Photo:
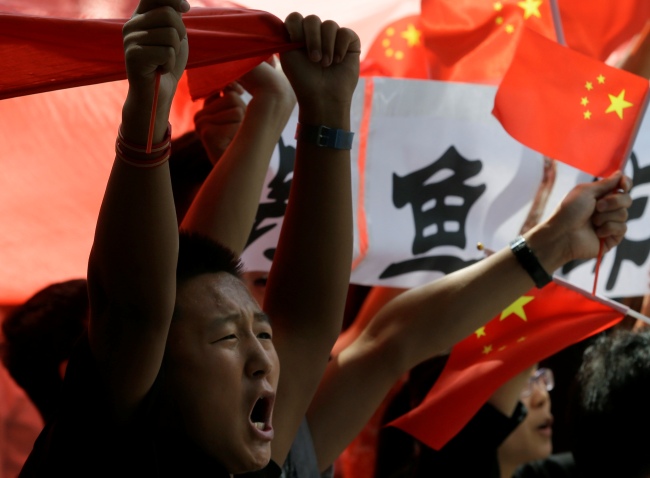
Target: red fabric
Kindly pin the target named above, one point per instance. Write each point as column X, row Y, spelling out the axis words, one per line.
column 597, row 27
column 559, row 106
column 474, row 40
column 58, row 151
column 455, row 40
column 20, row 424
column 398, row 51
column 547, row 321
column 44, row 54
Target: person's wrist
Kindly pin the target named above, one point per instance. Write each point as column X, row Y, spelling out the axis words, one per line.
column 333, row 116
column 548, row 246
column 280, row 105
column 324, row 136
column 136, row 117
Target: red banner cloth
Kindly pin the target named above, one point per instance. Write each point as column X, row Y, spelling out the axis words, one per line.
column 537, row 325
column 570, row 107
column 45, row 54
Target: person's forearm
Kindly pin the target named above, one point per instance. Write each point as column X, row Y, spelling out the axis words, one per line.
column 430, row 319
column 134, row 252
column 316, row 238
column 225, row 207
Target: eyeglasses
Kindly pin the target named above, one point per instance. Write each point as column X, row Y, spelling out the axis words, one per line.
column 543, row 378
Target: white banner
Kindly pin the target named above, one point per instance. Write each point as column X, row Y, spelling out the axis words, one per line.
column 258, row 254
column 438, row 176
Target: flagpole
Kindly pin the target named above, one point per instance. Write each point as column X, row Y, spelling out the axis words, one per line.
column 639, row 316
column 641, row 42
column 557, row 23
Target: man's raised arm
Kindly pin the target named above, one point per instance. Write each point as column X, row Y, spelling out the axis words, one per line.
column 131, row 271
column 308, row 281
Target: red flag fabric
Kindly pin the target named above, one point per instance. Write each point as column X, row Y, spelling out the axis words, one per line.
column 537, row 325
column 474, row 40
column 45, row 54
column 570, row 107
column 456, row 40
column 597, row 27
column 398, row 51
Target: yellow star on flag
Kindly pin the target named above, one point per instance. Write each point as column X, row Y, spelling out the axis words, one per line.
column 517, row 308
column 498, row 6
column 487, row 349
column 587, row 114
column 601, row 79
column 584, row 101
column 618, row 104
column 510, row 29
column 480, row 332
column 412, row 35
column 531, row 8
column 589, row 85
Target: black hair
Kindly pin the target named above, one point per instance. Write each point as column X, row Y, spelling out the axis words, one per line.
column 609, row 416
column 40, row 334
column 198, row 254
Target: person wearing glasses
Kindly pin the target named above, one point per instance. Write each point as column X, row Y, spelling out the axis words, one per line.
column 607, row 412
column 532, row 439
column 513, row 428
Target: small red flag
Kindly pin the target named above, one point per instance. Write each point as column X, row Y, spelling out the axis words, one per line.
column 537, row 325
column 570, row 107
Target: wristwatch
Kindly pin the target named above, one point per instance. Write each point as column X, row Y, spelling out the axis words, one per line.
column 324, row 136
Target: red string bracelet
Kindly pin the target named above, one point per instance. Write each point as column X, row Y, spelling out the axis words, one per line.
column 136, row 155
column 598, row 261
column 154, row 106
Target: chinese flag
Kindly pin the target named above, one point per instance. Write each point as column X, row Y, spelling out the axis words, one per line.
column 475, row 40
column 535, row 326
column 570, row 107
column 456, row 40
column 598, row 27
column 398, row 51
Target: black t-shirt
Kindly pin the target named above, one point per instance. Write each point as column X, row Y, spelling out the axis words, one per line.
column 82, row 440
column 555, row 466
column 473, row 451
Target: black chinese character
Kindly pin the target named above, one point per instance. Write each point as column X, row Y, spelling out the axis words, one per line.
column 440, row 201
column 279, row 195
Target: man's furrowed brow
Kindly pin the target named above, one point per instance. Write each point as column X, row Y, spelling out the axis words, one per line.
column 262, row 317
column 234, row 318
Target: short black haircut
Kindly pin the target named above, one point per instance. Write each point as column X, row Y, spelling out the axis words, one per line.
column 199, row 254
column 40, row 334
column 609, row 416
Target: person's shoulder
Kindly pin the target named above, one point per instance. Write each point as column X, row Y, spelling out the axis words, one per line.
column 561, row 465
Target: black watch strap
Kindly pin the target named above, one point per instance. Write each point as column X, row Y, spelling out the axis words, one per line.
column 324, row 136
column 529, row 262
